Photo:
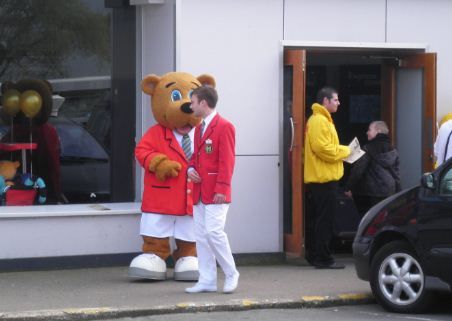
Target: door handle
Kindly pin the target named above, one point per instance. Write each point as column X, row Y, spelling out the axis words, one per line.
column 292, row 131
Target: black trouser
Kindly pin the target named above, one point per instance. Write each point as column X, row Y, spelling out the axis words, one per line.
column 321, row 218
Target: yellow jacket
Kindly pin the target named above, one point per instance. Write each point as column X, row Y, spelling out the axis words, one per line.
column 322, row 153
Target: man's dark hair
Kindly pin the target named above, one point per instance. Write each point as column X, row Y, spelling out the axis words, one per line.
column 207, row 93
column 325, row 92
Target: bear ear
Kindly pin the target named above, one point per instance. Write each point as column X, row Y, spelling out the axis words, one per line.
column 149, row 83
column 16, row 164
column 206, row 79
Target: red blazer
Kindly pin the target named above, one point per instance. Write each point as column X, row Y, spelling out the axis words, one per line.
column 213, row 159
column 174, row 195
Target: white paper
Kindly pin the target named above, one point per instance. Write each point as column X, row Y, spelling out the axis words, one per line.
column 355, row 151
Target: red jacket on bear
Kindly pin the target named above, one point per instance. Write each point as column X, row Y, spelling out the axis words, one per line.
column 174, row 195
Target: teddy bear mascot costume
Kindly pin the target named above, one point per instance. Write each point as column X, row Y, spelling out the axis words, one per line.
column 164, row 152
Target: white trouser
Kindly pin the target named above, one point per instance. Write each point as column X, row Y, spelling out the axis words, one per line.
column 212, row 242
column 158, row 225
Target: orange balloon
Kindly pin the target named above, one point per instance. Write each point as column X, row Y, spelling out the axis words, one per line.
column 30, row 103
column 10, row 102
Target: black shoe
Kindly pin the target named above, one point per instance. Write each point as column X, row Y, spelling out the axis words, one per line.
column 332, row 266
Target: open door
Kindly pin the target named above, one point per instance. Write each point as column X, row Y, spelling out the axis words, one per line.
column 294, row 107
column 409, row 108
column 427, row 63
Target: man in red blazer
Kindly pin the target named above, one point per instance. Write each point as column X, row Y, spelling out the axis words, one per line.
column 210, row 170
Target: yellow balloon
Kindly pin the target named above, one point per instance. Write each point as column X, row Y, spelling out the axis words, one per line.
column 30, row 103
column 10, row 102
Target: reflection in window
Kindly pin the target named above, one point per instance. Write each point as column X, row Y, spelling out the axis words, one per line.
column 66, row 44
column 446, row 183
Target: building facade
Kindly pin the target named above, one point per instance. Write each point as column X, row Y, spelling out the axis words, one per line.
column 388, row 58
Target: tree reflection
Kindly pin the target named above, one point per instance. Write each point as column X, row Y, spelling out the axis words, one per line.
column 46, row 38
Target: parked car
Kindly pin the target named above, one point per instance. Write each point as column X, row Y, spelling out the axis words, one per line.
column 403, row 245
column 85, row 165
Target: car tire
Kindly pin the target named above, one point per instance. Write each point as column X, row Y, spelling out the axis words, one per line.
column 397, row 279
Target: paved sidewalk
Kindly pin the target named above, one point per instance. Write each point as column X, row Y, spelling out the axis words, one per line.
column 108, row 293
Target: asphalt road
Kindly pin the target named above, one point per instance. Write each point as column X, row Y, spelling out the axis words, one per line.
column 368, row 312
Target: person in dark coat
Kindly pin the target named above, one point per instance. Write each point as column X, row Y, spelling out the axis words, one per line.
column 374, row 176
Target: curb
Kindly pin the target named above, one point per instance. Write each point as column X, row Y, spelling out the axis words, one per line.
column 188, row 307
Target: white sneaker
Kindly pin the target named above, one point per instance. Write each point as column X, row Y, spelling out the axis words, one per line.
column 200, row 287
column 231, row 283
column 186, row 269
column 148, row 266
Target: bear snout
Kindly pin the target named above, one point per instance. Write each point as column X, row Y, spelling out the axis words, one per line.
column 186, row 108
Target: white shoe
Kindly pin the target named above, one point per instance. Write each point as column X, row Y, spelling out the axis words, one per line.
column 148, row 266
column 231, row 283
column 200, row 287
column 186, row 269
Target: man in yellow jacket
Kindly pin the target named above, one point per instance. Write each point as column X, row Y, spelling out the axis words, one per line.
column 322, row 170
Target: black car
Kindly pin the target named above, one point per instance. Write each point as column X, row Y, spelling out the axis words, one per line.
column 85, row 164
column 403, row 245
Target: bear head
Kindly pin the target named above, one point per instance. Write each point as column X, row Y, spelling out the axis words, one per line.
column 171, row 97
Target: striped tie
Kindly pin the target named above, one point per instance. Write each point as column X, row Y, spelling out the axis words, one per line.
column 203, row 125
column 186, row 146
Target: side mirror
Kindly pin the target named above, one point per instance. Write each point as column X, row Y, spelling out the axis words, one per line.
column 428, row 181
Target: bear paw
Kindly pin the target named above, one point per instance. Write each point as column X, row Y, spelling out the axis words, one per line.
column 167, row 168
column 148, row 266
column 186, row 269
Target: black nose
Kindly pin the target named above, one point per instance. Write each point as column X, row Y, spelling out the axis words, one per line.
column 186, row 108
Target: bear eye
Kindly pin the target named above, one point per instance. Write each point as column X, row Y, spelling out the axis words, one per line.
column 190, row 93
column 176, row 95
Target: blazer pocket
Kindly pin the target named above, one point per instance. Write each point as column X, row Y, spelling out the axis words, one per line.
column 212, row 173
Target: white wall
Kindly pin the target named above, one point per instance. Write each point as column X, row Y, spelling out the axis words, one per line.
column 428, row 22
column 157, row 49
column 332, row 20
column 69, row 230
column 238, row 42
column 253, row 223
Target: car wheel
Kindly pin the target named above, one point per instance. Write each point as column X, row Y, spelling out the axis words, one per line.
column 397, row 279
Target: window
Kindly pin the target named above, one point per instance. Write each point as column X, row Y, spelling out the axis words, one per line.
column 446, row 183
column 67, row 44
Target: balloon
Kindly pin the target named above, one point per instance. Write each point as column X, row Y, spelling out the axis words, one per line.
column 10, row 102
column 30, row 103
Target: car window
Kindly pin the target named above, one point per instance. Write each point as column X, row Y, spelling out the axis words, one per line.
column 446, row 182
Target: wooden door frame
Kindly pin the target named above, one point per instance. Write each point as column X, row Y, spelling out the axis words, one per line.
column 388, row 99
column 294, row 241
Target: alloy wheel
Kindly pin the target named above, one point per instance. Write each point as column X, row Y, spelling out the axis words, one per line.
column 401, row 279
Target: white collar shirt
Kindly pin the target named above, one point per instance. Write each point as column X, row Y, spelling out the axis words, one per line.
column 208, row 120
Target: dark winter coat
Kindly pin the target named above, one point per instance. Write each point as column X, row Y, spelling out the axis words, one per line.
column 370, row 175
